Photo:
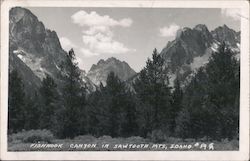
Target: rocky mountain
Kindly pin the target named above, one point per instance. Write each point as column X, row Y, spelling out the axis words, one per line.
column 34, row 50
column 224, row 33
column 99, row 72
column 192, row 48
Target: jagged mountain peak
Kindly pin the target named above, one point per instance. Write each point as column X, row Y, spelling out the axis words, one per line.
column 115, row 60
column 29, row 33
column 192, row 47
column 99, row 72
column 19, row 13
column 186, row 31
column 227, row 35
column 189, row 43
column 202, row 28
column 101, row 61
column 112, row 59
column 224, row 28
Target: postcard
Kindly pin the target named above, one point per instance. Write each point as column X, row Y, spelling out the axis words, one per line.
column 124, row 80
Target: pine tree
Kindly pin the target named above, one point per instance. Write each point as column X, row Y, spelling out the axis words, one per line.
column 112, row 109
column 16, row 103
column 50, row 98
column 183, row 124
column 223, row 90
column 153, row 91
column 73, row 99
column 196, row 103
column 32, row 112
column 176, row 105
column 115, row 89
column 130, row 124
column 98, row 112
column 212, row 97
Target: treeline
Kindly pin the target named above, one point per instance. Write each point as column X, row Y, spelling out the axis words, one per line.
column 207, row 107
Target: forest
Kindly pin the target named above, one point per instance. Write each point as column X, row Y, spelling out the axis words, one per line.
column 207, row 106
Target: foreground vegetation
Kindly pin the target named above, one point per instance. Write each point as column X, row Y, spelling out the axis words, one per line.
column 31, row 140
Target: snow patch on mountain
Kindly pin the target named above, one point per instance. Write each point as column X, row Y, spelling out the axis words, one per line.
column 32, row 62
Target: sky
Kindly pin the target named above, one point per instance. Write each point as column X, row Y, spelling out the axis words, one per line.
column 128, row 34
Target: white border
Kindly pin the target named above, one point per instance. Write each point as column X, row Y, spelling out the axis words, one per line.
column 242, row 154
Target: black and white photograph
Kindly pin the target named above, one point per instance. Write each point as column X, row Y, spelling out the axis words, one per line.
column 134, row 79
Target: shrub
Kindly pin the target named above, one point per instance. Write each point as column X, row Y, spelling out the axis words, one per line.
column 85, row 138
column 136, row 139
column 157, row 136
column 189, row 140
column 105, row 137
column 32, row 136
column 174, row 140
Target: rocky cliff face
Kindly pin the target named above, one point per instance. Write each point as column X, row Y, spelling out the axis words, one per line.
column 189, row 43
column 99, row 72
column 34, row 50
column 35, row 46
column 192, row 48
column 229, row 36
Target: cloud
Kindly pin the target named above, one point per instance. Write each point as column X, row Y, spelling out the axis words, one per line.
column 88, row 53
column 98, row 37
column 66, row 43
column 104, row 44
column 169, row 31
column 233, row 13
column 91, row 19
column 96, row 29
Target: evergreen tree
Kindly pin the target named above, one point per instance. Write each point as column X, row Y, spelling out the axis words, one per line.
column 153, row 91
column 196, row 102
column 118, row 105
column 212, row 97
column 49, row 103
column 182, row 122
column 16, row 103
column 112, row 109
column 130, row 124
column 98, row 112
column 176, row 105
column 32, row 112
column 73, row 99
column 223, row 90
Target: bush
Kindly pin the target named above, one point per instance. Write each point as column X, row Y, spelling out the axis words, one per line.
column 157, row 136
column 32, row 136
column 135, row 139
column 174, row 140
column 105, row 137
column 85, row 138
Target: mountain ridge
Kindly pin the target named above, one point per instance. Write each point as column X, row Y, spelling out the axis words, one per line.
column 192, row 48
column 99, row 72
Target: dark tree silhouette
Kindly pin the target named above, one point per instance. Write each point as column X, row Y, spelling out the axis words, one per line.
column 16, row 103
